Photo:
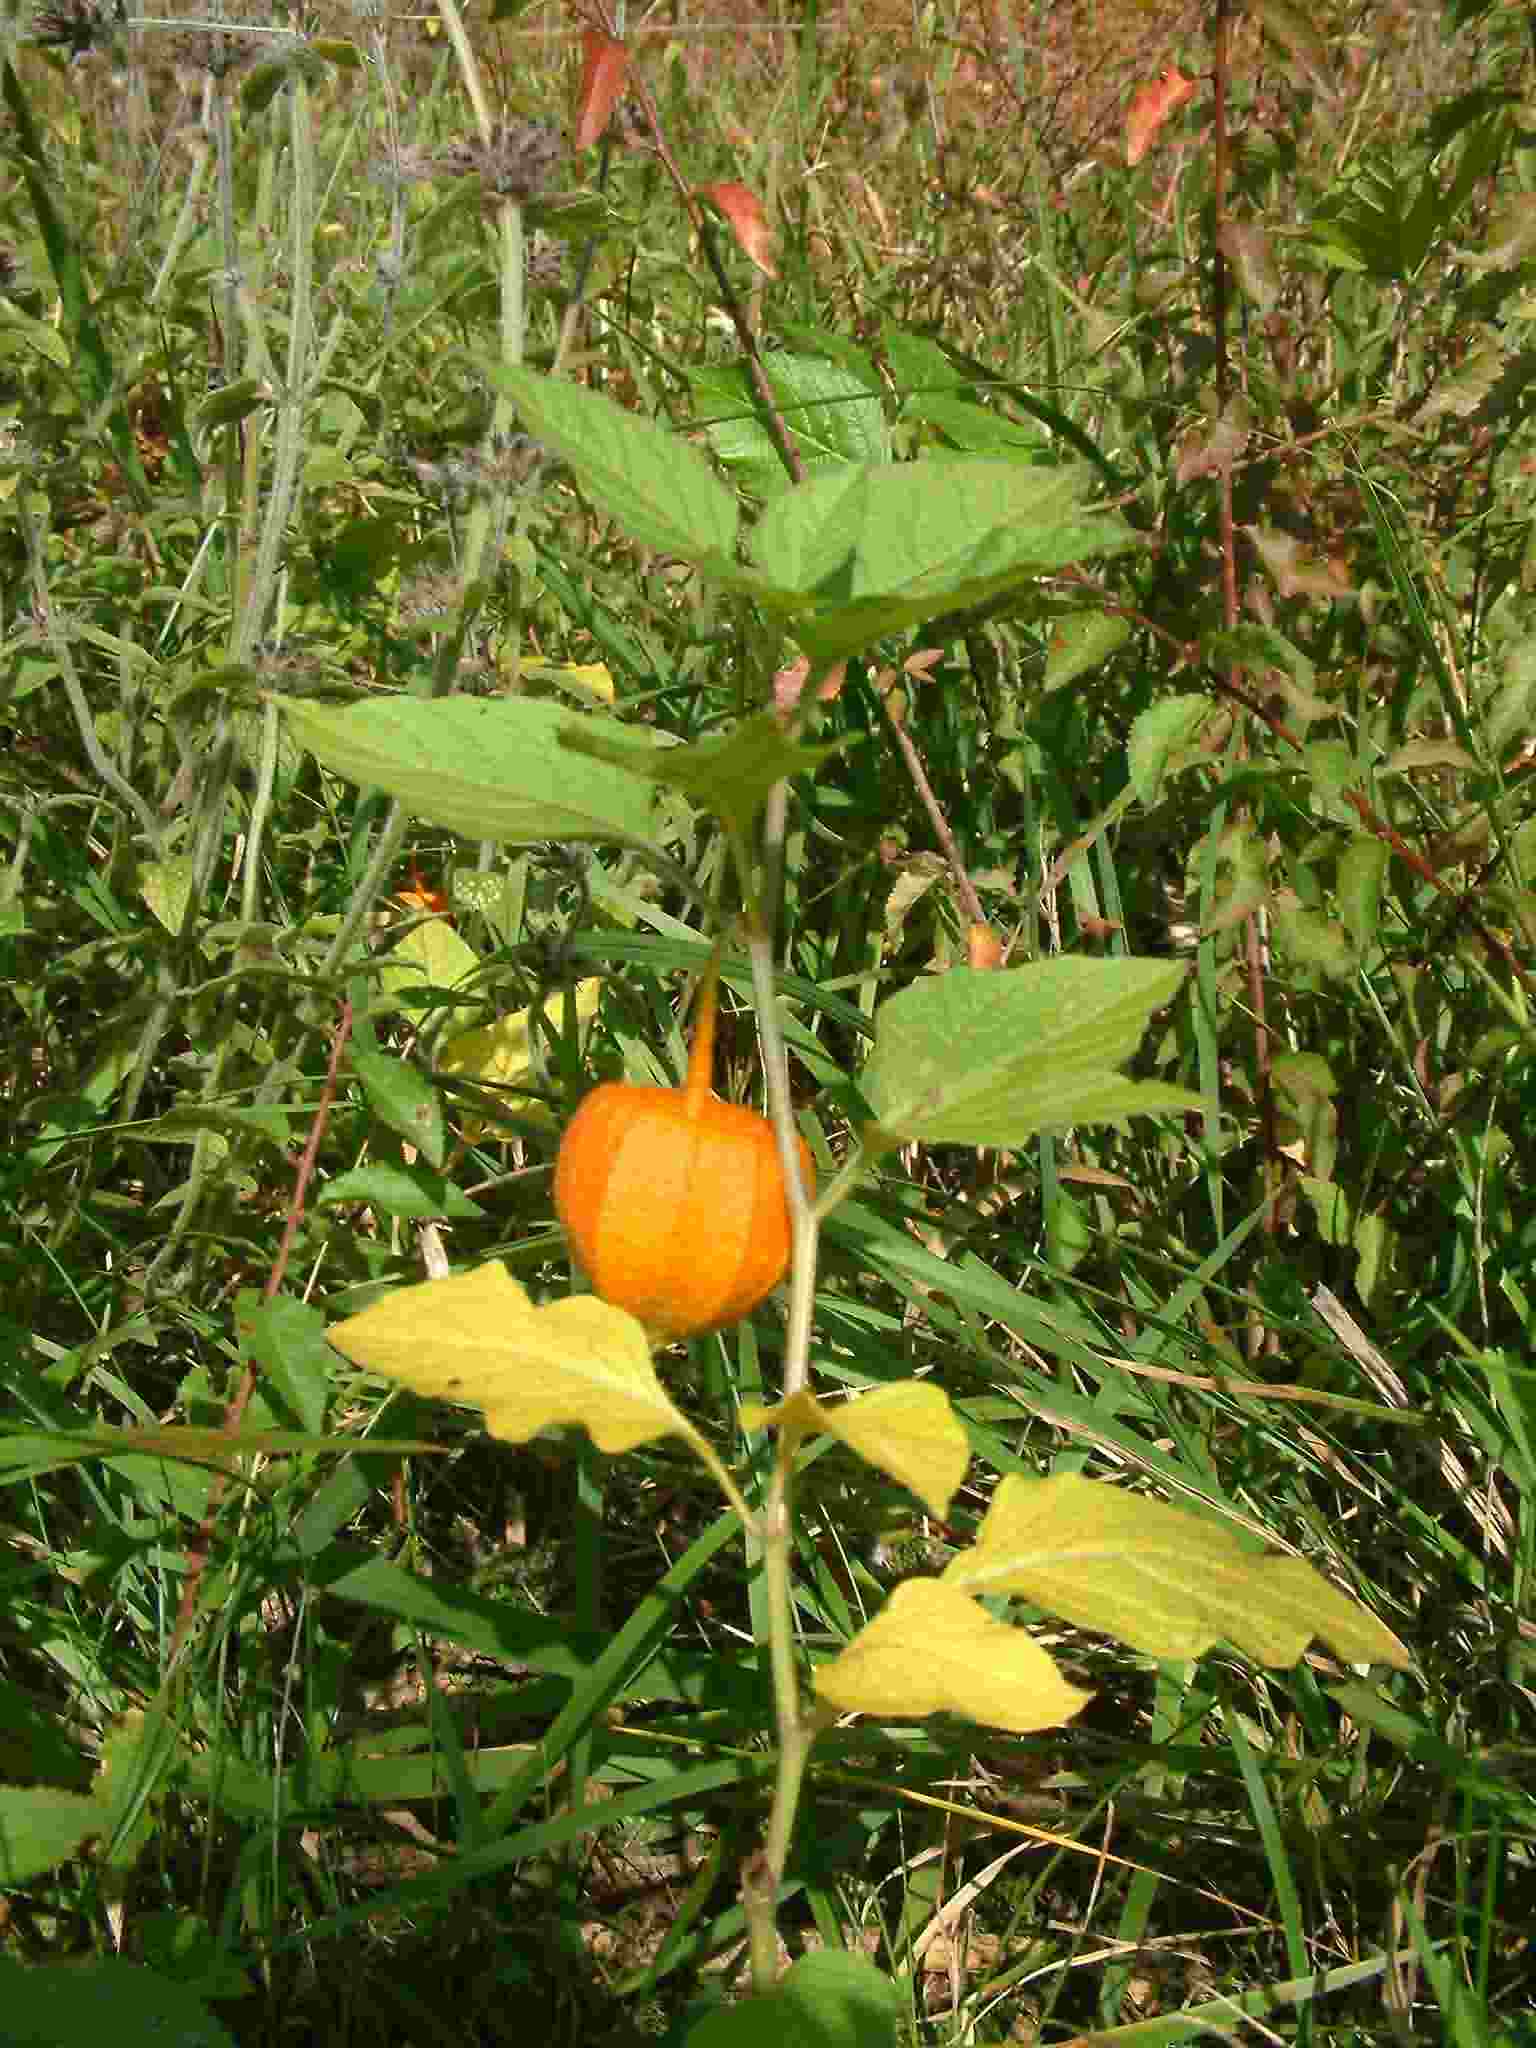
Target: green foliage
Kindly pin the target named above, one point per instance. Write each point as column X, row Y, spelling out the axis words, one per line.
column 827, row 2000
column 1128, row 895
column 70, row 2006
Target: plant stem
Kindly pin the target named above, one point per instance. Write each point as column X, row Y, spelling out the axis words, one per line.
column 796, row 1732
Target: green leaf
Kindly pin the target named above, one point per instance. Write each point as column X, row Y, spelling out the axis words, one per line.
column 1294, row 29
column 477, row 1338
column 232, row 403
column 977, row 429
column 262, row 84
column 26, row 1454
column 1332, row 1210
column 1165, row 739
column 1168, row 1583
column 35, row 333
column 881, row 547
column 1081, row 641
column 829, row 1999
column 489, row 768
column 730, row 776
column 410, row 1191
column 931, row 1649
column 972, row 1058
column 1308, row 939
column 658, row 488
column 62, row 247
column 405, row 1101
column 264, row 1126
column 80, row 2005
column 41, row 1828
column 137, row 1754
column 1267, row 654
column 287, row 1340
column 835, row 417
column 1332, row 768
column 1362, row 872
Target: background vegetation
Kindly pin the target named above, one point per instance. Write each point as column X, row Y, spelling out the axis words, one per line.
column 250, row 281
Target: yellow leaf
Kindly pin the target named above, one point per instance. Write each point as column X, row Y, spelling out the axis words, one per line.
column 478, row 1339
column 908, row 1431
column 931, row 1650
column 589, row 682
column 503, row 1052
column 431, row 954
column 1167, row 1582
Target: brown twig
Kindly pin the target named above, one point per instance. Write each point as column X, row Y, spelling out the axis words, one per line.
column 773, row 419
column 965, row 888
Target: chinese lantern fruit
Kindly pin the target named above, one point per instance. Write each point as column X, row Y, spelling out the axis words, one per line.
column 673, row 1200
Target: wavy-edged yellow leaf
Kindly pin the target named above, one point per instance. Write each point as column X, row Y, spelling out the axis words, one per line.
column 1167, row 1582
column 478, row 1339
column 501, row 1054
column 931, row 1650
column 908, row 1431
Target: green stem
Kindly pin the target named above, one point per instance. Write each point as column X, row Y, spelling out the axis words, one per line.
column 796, row 1730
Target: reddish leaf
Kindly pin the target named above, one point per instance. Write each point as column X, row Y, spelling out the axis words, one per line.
column 790, row 682
column 983, row 948
column 747, row 221
column 603, row 66
column 421, row 896
column 1151, row 105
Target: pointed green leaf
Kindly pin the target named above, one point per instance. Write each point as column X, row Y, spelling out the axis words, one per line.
column 491, row 768
column 404, row 1100
column 413, row 1192
column 1309, row 939
column 1081, row 641
column 835, row 417
column 932, row 1650
column 287, row 1339
column 658, row 488
column 1362, row 872
column 1167, row 1582
column 927, row 537
column 478, row 1339
column 730, row 776
column 972, row 1058
column 1165, row 739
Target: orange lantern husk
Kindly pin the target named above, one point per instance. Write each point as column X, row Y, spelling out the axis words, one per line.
column 673, row 1200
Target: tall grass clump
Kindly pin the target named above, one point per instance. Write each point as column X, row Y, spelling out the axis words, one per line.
column 978, row 566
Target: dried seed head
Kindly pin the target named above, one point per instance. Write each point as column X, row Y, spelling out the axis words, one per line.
column 546, row 264
column 517, row 165
column 77, row 25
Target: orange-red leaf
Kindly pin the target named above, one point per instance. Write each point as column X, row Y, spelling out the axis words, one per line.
column 421, row 896
column 604, row 64
column 983, row 948
column 1151, row 105
column 747, row 221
